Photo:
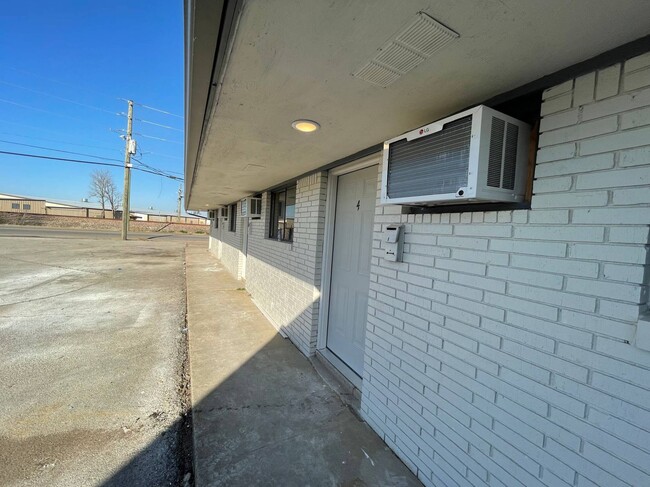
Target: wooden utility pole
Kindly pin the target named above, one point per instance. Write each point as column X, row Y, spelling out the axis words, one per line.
column 128, row 150
column 180, row 197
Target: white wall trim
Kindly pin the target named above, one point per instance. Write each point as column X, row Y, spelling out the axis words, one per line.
column 326, row 277
column 371, row 160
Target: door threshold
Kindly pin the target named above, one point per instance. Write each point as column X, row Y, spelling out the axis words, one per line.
column 340, row 368
column 349, row 394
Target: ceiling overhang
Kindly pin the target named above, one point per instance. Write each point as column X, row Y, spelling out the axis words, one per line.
column 254, row 67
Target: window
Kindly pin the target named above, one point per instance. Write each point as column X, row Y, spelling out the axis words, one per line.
column 15, row 206
column 27, row 206
column 232, row 221
column 283, row 213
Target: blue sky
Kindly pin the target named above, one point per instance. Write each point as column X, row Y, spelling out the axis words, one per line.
column 90, row 53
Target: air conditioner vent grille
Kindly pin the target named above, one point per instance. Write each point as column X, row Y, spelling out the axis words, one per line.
column 377, row 74
column 510, row 157
column 423, row 37
column 433, row 164
column 426, row 35
column 399, row 58
column 495, row 157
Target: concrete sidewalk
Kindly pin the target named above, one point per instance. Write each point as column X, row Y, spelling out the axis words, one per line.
column 262, row 415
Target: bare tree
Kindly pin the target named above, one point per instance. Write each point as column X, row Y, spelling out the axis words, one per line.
column 104, row 189
column 114, row 197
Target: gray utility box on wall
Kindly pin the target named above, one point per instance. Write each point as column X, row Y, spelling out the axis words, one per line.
column 393, row 243
column 479, row 155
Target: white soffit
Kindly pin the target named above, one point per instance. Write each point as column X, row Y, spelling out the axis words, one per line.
column 411, row 46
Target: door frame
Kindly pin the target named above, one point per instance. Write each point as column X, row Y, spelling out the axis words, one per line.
column 326, row 270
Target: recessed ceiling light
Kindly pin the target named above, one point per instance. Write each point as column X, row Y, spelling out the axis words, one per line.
column 305, row 125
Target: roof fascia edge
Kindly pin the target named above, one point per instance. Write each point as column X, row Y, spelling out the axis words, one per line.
column 228, row 21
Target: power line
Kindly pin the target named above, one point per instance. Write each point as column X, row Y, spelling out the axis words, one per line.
column 60, row 150
column 147, row 166
column 112, row 97
column 77, row 161
column 158, row 124
column 159, row 171
column 10, row 102
column 112, row 149
column 166, row 171
column 147, row 153
column 59, row 97
column 159, row 138
column 159, row 110
column 150, row 137
column 41, row 129
column 36, row 156
column 163, row 155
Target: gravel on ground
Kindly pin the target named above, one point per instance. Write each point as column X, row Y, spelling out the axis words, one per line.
column 93, row 377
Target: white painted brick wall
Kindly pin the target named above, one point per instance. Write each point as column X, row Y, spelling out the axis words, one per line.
column 284, row 278
column 214, row 238
column 499, row 351
column 229, row 246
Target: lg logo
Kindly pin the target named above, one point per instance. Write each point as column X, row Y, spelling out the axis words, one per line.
column 424, row 131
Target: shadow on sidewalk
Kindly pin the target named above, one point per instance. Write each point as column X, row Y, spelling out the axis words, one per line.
column 261, row 413
column 289, row 432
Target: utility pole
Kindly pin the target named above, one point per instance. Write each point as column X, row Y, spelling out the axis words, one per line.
column 180, row 197
column 129, row 149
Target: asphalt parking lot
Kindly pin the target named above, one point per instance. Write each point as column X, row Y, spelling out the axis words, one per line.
column 93, row 346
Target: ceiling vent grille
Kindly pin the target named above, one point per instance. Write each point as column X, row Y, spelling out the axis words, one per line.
column 409, row 48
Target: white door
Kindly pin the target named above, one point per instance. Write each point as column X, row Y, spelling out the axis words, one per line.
column 350, row 281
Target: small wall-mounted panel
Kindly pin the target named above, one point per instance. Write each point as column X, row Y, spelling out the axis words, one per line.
column 393, row 243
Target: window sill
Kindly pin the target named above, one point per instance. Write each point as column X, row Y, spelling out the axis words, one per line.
column 286, row 242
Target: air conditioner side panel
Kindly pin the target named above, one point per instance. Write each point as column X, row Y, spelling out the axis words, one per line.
column 493, row 194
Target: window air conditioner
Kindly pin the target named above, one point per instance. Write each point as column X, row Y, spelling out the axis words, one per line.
column 476, row 156
column 251, row 207
column 224, row 213
column 212, row 214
